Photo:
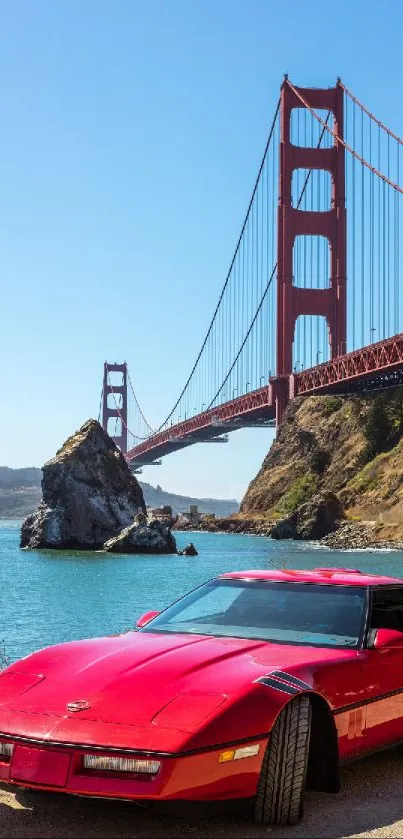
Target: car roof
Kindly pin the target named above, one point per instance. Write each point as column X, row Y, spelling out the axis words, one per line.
column 323, row 576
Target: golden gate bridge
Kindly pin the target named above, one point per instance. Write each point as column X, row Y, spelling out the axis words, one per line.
column 311, row 303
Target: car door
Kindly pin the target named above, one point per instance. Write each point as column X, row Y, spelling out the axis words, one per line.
column 382, row 671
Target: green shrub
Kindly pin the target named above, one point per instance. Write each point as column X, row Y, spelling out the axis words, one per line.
column 395, row 413
column 365, row 480
column 384, row 424
column 300, row 490
column 368, row 477
column 330, row 405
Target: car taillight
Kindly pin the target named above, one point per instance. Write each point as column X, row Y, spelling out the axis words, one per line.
column 6, row 750
column 121, row 764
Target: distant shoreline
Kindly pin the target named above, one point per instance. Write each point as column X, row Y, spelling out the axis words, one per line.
column 350, row 536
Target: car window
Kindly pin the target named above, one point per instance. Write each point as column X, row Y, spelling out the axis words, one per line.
column 387, row 609
column 291, row 613
column 213, row 603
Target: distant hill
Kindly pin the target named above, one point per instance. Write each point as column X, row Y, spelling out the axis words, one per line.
column 20, row 491
column 157, row 497
column 20, row 494
column 30, row 476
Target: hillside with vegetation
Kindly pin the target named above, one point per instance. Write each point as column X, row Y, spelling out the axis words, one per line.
column 351, row 448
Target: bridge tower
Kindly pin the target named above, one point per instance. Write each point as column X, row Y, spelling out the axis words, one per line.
column 114, row 408
column 293, row 301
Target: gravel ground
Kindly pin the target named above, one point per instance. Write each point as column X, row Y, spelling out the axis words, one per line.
column 370, row 804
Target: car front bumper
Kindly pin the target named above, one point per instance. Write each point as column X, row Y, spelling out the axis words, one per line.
column 187, row 776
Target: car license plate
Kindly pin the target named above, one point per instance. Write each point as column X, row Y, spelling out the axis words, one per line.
column 40, row 766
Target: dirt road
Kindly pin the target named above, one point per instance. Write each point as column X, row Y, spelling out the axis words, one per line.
column 370, row 804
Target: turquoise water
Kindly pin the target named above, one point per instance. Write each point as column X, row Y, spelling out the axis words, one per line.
column 48, row 596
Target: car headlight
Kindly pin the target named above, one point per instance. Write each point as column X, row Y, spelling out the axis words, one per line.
column 6, row 750
column 121, row 764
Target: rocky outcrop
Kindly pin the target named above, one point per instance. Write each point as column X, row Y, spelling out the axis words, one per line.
column 190, row 550
column 143, row 537
column 237, row 524
column 353, row 536
column 88, row 494
column 313, row 520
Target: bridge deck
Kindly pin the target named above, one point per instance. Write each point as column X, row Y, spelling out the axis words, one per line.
column 377, row 365
column 252, row 409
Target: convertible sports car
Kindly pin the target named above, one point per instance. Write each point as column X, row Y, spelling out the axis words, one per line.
column 254, row 685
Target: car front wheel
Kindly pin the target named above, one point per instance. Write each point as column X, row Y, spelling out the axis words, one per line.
column 282, row 777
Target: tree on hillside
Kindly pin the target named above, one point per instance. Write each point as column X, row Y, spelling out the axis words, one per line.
column 378, row 430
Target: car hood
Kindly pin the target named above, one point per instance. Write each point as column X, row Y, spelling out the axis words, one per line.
column 142, row 679
column 131, row 677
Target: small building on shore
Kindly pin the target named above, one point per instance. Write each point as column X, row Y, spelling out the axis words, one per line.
column 160, row 513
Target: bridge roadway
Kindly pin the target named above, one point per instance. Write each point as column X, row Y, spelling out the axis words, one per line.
column 378, row 365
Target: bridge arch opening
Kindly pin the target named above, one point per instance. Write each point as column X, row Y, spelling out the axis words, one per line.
column 308, row 132
column 115, row 400
column 311, row 190
column 311, row 342
column 114, row 427
column 115, row 378
column 311, row 262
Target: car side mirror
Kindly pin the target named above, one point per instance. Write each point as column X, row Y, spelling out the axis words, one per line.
column 387, row 639
column 143, row 619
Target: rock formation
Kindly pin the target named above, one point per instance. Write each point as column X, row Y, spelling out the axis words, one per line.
column 89, row 494
column 190, row 550
column 143, row 537
column 313, row 520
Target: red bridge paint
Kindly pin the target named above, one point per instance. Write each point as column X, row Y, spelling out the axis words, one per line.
column 292, row 300
column 359, row 366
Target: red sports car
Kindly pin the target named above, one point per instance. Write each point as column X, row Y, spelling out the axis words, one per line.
column 254, row 685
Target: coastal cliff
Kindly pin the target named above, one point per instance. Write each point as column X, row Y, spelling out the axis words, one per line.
column 340, row 452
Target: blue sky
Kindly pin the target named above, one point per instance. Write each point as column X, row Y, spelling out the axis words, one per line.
column 131, row 136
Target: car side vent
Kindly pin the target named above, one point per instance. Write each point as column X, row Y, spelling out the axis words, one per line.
column 338, row 570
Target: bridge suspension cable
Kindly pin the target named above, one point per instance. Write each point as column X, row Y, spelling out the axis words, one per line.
column 146, row 423
column 255, row 249
column 371, row 115
column 343, row 142
column 236, row 301
column 271, row 277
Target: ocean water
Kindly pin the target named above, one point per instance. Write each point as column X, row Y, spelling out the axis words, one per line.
column 52, row 596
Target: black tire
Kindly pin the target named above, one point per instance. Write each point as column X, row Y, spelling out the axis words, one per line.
column 283, row 774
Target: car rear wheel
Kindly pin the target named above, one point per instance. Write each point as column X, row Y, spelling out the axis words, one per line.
column 283, row 774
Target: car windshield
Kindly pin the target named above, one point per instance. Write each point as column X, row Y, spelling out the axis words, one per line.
column 286, row 613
